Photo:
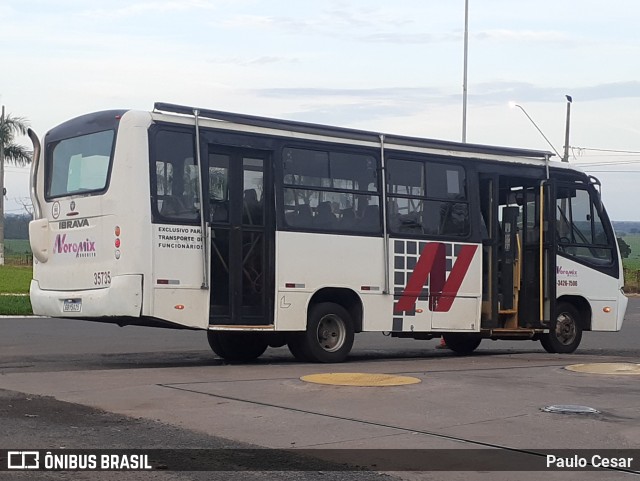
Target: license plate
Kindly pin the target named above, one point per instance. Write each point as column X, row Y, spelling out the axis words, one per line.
column 72, row 305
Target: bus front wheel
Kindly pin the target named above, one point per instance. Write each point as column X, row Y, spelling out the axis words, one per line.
column 237, row 346
column 565, row 331
column 329, row 335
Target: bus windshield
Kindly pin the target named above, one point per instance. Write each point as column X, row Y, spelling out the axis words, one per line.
column 79, row 164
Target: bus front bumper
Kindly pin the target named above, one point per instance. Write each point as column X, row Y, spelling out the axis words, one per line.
column 123, row 298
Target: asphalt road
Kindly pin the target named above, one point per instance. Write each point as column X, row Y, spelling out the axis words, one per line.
column 43, row 344
column 149, row 366
column 42, row 422
column 37, row 422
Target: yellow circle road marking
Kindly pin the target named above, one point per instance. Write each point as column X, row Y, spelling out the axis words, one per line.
column 616, row 368
column 359, row 379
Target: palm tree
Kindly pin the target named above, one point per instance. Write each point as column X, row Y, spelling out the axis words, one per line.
column 13, row 154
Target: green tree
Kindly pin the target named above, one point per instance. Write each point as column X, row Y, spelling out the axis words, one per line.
column 17, row 226
column 625, row 249
column 13, row 154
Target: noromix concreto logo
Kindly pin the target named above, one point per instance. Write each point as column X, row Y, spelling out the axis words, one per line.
column 85, row 248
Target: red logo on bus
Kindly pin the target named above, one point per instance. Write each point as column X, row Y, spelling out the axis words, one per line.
column 442, row 289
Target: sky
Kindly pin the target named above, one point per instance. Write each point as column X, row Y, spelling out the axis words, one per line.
column 392, row 67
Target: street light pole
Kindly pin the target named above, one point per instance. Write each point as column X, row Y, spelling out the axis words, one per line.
column 464, row 79
column 566, row 132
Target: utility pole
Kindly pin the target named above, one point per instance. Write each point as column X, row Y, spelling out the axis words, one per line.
column 2, row 140
column 566, row 132
column 464, row 79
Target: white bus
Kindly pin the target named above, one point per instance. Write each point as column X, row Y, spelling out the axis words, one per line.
column 267, row 232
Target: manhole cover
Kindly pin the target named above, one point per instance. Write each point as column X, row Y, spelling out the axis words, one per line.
column 570, row 409
column 616, row 368
column 359, row 379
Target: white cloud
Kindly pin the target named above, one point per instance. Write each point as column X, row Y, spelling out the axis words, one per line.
column 503, row 35
column 132, row 9
column 404, row 38
column 288, row 24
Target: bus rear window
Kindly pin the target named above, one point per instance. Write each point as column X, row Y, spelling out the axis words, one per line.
column 79, row 164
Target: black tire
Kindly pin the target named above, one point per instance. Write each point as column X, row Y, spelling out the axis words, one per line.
column 565, row 331
column 277, row 339
column 462, row 343
column 296, row 344
column 237, row 346
column 328, row 338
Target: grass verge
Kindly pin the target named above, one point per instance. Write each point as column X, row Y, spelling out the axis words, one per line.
column 15, row 279
column 15, row 306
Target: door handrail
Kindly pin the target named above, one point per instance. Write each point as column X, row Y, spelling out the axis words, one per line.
column 204, row 224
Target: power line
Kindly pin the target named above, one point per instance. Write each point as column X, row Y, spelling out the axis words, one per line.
column 606, row 150
column 599, row 164
column 590, row 156
column 614, row 172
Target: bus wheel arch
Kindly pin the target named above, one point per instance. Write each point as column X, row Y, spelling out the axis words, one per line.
column 572, row 317
column 334, row 315
column 346, row 298
column 582, row 306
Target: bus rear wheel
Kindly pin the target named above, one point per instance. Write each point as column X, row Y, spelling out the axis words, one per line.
column 329, row 335
column 462, row 343
column 237, row 346
column 565, row 331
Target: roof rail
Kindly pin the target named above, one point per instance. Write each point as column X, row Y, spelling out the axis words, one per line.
column 349, row 133
column 267, row 122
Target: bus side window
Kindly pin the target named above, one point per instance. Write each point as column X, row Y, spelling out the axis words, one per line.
column 455, row 221
column 252, row 208
column 348, row 219
column 329, row 191
column 304, row 216
column 172, row 206
column 218, row 187
column 324, row 218
column 176, row 195
column 219, row 212
column 370, row 218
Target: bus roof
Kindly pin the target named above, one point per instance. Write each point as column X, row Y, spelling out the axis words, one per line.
column 355, row 134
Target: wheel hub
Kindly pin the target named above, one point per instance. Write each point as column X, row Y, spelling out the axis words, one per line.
column 331, row 333
column 565, row 329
